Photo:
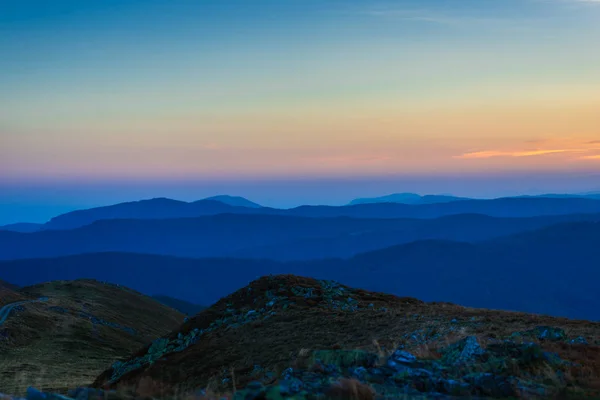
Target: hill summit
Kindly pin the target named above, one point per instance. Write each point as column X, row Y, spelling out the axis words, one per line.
column 292, row 337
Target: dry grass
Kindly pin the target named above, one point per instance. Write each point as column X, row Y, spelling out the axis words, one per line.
column 351, row 389
column 56, row 351
column 282, row 340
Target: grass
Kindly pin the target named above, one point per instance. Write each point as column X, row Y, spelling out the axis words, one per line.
column 381, row 324
column 56, row 351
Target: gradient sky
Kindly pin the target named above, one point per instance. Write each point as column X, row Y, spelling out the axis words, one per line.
column 109, row 100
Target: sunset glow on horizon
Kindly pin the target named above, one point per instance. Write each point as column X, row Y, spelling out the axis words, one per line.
column 158, row 90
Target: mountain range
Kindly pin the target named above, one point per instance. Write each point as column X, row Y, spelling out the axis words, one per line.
column 276, row 237
column 413, row 198
column 550, row 270
column 162, row 208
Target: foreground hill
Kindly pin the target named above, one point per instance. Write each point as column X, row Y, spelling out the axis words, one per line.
column 167, row 208
column 9, row 294
column 274, row 237
column 77, row 329
column 550, row 271
column 287, row 335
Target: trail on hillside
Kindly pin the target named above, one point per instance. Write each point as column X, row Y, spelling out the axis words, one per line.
column 6, row 310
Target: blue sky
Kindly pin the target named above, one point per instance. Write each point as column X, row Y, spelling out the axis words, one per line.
column 186, row 98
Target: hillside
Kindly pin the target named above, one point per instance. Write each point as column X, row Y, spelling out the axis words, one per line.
column 274, row 237
column 549, row 271
column 72, row 336
column 291, row 335
column 9, row 294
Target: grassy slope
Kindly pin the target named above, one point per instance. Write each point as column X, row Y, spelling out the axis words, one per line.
column 276, row 342
column 8, row 293
column 58, row 348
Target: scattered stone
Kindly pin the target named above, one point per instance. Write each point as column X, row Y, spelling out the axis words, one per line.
column 403, row 357
column 463, row 351
column 579, row 340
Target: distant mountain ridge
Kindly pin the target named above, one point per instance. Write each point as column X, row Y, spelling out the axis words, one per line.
column 235, row 201
column 408, row 198
column 159, row 208
column 22, row 227
column 413, row 198
column 163, row 208
column 550, row 271
column 278, row 237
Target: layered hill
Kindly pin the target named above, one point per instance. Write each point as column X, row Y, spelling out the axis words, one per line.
column 550, row 271
column 159, row 208
column 167, row 208
column 74, row 331
column 21, row 227
column 274, row 237
column 292, row 336
column 236, row 201
column 408, row 198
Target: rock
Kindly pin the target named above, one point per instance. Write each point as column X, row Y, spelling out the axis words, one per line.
column 454, row 387
column 464, row 351
column 34, row 394
column 287, row 374
column 84, row 393
column 544, row 333
column 488, row 384
column 255, row 385
column 579, row 340
column 290, row 386
column 359, row 373
column 403, row 357
column 345, row 358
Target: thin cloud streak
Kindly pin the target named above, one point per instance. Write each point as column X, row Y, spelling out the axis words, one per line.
column 530, row 153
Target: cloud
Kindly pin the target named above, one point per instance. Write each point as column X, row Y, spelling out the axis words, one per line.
column 526, row 153
column 595, row 157
column 542, row 147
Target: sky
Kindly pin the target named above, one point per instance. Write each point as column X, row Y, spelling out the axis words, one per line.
column 296, row 101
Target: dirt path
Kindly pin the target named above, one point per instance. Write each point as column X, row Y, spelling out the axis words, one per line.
column 5, row 311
